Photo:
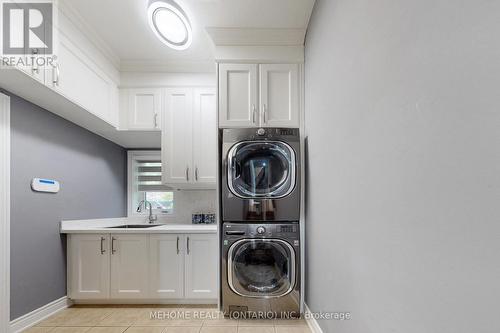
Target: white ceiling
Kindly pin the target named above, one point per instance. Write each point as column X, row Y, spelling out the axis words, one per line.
column 123, row 25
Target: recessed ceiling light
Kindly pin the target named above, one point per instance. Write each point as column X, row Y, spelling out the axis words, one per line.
column 170, row 24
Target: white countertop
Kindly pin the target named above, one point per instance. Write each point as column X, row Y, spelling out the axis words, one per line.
column 105, row 226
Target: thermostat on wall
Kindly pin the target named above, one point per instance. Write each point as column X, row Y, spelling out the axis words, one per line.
column 45, row 185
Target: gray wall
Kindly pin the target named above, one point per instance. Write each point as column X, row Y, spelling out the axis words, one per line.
column 92, row 173
column 403, row 193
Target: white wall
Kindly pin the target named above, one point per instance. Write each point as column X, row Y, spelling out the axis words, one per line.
column 403, row 187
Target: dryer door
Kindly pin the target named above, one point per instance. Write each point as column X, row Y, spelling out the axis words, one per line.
column 261, row 268
column 261, row 169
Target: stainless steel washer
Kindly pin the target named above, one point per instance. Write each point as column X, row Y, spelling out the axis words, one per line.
column 260, row 174
column 261, row 270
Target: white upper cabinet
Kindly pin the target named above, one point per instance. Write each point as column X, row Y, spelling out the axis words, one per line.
column 201, row 266
column 279, row 95
column 129, row 266
column 238, row 101
column 88, row 266
column 78, row 79
column 177, row 157
column 265, row 95
column 205, row 136
column 166, row 262
column 143, row 108
column 34, row 67
column 34, row 70
column 189, row 138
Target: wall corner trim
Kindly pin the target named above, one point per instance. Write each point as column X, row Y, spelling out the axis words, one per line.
column 4, row 212
column 36, row 316
column 311, row 322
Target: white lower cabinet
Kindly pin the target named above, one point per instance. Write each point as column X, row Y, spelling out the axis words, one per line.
column 129, row 266
column 201, row 266
column 88, row 266
column 142, row 266
column 166, row 273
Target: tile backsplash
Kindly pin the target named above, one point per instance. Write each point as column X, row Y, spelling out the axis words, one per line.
column 187, row 203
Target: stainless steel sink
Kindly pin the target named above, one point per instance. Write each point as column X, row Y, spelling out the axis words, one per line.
column 135, row 226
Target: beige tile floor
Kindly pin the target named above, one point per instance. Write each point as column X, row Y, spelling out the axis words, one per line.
column 173, row 319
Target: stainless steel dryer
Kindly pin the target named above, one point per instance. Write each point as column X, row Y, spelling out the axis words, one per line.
column 260, row 174
column 261, row 270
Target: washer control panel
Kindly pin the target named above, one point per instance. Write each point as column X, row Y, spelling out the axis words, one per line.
column 261, row 132
column 241, row 230
column 232, row 232
column 289, row 229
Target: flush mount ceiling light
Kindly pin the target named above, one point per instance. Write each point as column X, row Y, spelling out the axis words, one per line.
column 170, row 24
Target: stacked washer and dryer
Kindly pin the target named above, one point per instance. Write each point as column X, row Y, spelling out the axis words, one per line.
column 260, row 233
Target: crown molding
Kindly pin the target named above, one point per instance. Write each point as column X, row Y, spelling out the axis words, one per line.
column 260, row 54
column 161, row 66
column 222, row 36
column 86, row 29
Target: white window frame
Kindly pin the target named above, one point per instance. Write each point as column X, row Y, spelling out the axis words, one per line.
column 131, row 157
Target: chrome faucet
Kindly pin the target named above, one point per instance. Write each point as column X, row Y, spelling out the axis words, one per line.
column 152, row 218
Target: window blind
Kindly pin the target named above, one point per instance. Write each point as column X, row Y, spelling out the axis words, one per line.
column 148, row 176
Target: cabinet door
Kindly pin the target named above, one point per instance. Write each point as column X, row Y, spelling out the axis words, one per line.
column 129, row 266
column 238, row 95
column 177, row 154
column 88, row 266
column 34, row 69
column 80, row 81
column 205, row 137
column 201, row 266
column 166, row 273
column 30, row 66
column 279, row 95
column 144, row 108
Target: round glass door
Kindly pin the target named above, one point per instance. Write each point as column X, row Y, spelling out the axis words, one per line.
column 264, row 169
column 261, row 268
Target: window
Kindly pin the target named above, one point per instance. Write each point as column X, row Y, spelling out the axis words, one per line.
column 144, row 184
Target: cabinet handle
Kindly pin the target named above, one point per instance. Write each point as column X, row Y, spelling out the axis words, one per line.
column 113, row 245
column 254, row 113
column 187, row 173
column 196, row 173
column 188, row 250
column 55, row 75
column 102, row 245
column 178, row 245
column 264, row 111
column 35, row 68
column 156, row 120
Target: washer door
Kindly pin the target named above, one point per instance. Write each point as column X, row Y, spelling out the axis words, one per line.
column 261, row 169
column 261, row 268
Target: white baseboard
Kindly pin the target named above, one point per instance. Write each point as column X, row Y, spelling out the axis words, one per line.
column 311, row 322
column 179, row 301
column 36, row 316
